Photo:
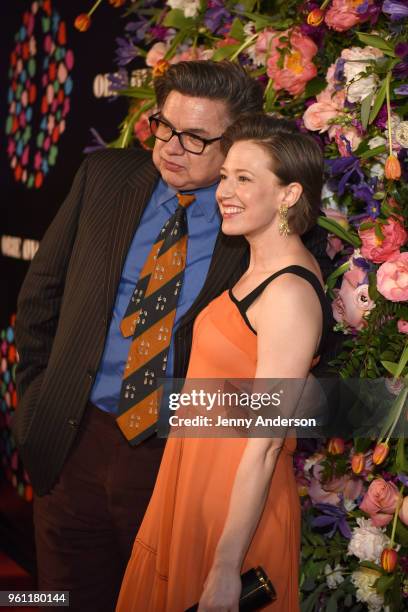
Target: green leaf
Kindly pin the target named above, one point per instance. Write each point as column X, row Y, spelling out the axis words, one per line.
column 401, row 533
column 308, row 604
column 237, row 30
column 314, row 87
column 365, row 109
column 379, row 100
column 225, row 52
column 403, row 361
column 335, row 228
column 401, row 461
column 372, row 152
column 372, row 566
column 376, row 41
column 176, row 19
column 378, row 232
column 383, row 583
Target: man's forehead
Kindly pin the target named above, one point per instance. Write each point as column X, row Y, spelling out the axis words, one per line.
column 191, row 109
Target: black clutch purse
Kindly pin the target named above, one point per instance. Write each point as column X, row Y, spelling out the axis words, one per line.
column 257, row 591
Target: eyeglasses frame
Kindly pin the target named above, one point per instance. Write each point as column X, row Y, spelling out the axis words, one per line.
column 205, row 141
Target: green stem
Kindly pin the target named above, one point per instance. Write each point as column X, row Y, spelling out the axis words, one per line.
column 402, row 398
column 325, row 3
column 124, row 140
column 95, row 6
column 244, row 46
column 394, row 524
column 388, row 101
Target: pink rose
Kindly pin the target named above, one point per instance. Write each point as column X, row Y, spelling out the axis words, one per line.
column 334, row 245
column 345, row 137
column 380, row 501
column 329, row 492
column 403, row 513
column 352, row 303
column 298, row 67
column 379, row 250
column 156, row 53
column 402, row 326
column 317, row 116
column 343, row 14
column 392, row 278
column 142, row 129
column 263, row 45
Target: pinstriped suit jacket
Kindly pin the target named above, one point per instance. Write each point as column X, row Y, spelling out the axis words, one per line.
column 66, row 301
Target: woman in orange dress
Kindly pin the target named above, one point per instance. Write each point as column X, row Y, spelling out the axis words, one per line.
column 223, row 505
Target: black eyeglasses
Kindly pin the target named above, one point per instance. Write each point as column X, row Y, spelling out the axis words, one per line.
column 190, row 142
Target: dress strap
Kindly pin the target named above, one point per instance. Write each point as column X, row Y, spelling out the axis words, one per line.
column 309, row 276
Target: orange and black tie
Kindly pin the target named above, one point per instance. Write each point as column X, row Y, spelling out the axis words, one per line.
column 149, row 319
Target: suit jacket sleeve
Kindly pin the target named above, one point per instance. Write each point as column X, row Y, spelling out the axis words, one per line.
column 40, row 297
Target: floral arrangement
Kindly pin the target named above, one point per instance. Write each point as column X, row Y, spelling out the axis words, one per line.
column 340, row 69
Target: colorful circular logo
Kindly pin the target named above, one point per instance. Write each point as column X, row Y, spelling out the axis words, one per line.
column 39, row 93
column 10, row 460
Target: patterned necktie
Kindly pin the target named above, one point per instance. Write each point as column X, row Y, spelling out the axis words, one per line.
column 149, row 320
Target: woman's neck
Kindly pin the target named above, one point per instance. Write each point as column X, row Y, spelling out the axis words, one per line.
column 267, row 249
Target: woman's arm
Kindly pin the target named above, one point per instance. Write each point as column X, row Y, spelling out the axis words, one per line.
column 287, row 341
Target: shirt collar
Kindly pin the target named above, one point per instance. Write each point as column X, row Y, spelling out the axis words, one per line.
column 205, row 203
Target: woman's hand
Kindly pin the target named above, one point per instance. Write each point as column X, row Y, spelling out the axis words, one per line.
column 222, row 590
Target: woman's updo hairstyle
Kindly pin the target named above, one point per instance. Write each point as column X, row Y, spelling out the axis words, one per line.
column 295, row 158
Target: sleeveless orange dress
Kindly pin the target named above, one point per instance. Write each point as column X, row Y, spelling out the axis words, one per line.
column 174, row 548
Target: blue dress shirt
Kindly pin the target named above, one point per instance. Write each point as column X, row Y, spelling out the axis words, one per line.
column 203, row 226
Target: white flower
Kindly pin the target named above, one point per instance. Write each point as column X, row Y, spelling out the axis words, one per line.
column 190, row 8
column 363, row 580
column 328, row 197
column 311, row 461
column 349, row 504
column 333, row 576
column 358, row 59
column 377, row 170
column 401, row 134
column 250, row 28
column 377, row 141
column 367, row 541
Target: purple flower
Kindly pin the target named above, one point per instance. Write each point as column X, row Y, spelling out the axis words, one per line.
column 159, row 32
column 317, row 34
column 98, row 142
column 333, row 517
column 362, row 8
column 401, row 49
column 125, row 51
column 118, row 80
column 402, row 90
column 403, row 478
column 138, row 28
column 400, row 70
column 216, row 15
column 348, row 168
column 395, row 10
column 362, row 263
column 363, row 192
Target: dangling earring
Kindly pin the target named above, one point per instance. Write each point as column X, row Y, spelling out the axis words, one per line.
column 283, row 221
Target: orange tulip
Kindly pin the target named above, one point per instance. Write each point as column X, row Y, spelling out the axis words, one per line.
column 160, row 68
column 82, row 22
column 315, row 17
column 380, row 453
column 389, row 559
column 335, row 446
column 358, row 463
column 117, row 3
column 392, row 168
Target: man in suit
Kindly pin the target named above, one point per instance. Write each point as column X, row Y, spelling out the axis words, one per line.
column 91, row 486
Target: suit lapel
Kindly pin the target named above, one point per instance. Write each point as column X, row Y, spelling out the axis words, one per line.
column 125, row 215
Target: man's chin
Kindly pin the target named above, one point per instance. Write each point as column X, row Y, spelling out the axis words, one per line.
column 176, row 180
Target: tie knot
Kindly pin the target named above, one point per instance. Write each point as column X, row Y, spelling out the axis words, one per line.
column 185, row 199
